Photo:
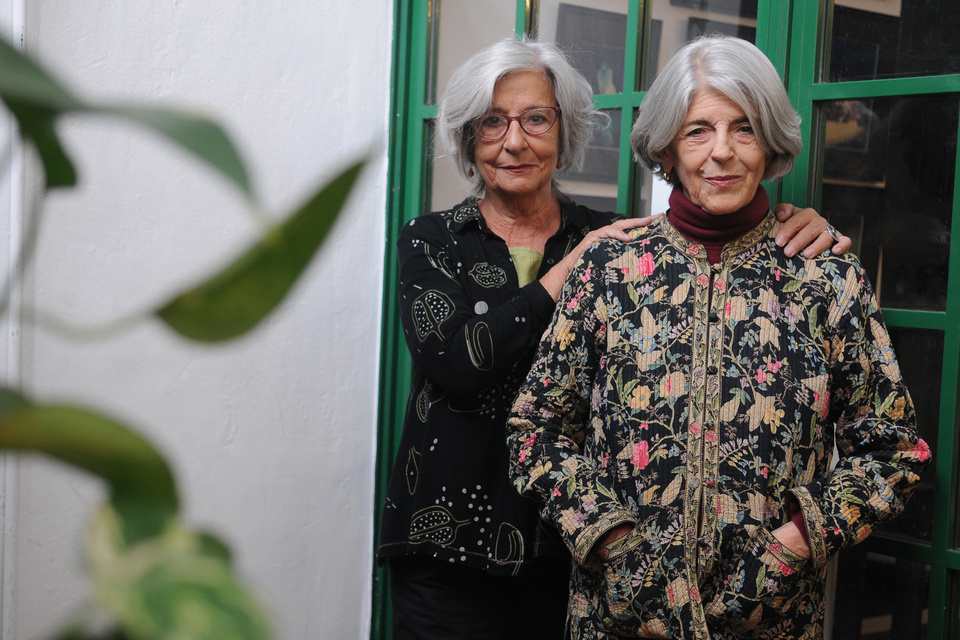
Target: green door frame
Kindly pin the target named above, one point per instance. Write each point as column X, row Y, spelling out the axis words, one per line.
column 790, row 32
column 805, row 92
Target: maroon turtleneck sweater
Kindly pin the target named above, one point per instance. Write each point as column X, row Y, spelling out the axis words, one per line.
column 714, row 231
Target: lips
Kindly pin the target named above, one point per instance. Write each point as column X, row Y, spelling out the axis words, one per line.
column 722, row 181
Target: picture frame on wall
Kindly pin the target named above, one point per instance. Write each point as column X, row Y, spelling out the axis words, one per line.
column 854, row 144
column 739, row 8
column 602, row 157
column 595, row 42
column 703, row 27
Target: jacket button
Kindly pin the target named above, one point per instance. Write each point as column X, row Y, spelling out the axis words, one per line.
column 712, row 370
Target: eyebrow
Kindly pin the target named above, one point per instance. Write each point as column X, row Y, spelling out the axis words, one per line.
column 537, row 106
column 703, row 122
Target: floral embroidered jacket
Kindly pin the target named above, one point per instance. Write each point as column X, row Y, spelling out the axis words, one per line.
column 471, row 331
column 694, row 401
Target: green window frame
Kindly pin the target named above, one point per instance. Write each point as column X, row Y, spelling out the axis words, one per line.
column 791, row 33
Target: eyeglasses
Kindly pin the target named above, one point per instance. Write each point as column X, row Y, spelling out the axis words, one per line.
column 534, row 122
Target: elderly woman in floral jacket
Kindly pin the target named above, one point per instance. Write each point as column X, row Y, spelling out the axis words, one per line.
column 679, row 421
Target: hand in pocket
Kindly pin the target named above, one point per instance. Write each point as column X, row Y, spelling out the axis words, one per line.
column 762, row 588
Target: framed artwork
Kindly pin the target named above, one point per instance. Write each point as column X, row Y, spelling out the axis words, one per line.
column 848, row 121
column 863, row 45
column 703, row 27
column 595, row 41
column 848, row 125
column 854, row 141
column 602, row 158
column 740, row 8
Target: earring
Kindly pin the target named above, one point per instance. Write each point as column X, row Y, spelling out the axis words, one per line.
column 470, row 173
column 559, row 164
column 666, row 176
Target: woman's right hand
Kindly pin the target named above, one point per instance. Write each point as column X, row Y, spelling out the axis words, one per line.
column 611, row 536
column 553, row 280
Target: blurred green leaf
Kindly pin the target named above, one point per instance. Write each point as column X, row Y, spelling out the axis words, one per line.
column 211, row 545
column 141, row 483
column 169, row 587
column 236, row 299
column 11, row 401
column 39, row 127
column 198, row 135
column 22, row 81
column 75, row 633
column 36, row 100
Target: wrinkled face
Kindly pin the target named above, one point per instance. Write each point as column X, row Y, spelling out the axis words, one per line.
column 716, row 154
column 519, row 165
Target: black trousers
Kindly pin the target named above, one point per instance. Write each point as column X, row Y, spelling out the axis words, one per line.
column 437, row 600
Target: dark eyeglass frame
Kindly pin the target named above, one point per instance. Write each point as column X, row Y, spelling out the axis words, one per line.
column 518, row 120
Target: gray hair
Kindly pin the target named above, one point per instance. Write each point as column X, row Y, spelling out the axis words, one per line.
column 469, row 95
column 734, row 68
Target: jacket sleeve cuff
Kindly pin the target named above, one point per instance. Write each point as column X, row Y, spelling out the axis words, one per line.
column 589, row 536
column 812, row 521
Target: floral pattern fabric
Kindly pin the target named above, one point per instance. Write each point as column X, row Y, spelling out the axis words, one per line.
column 694, row 401
column 471, row 331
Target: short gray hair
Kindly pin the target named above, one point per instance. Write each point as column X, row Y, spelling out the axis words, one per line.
column 469, row 95
column 734, row 68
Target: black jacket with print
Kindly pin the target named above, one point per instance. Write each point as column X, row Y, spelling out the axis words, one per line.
column 471, row 331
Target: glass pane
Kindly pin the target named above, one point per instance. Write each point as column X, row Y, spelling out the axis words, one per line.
column 953, row 619
column 892, row 39
column 677, row 21
column 595, row 184
column 653, row 193
column 460, row 28
column 920, row 356
column 594, row 36
column 888, row 176
column 442, row 181
column 877, row 596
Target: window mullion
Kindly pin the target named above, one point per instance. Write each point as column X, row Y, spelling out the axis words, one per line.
column 800, row 186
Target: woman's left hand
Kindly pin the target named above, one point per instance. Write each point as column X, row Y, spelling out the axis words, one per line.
column 806, row 228
column 789, row 536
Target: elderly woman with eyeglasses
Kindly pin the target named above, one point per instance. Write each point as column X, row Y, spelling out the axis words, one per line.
column 468, row 557
column 679, row 422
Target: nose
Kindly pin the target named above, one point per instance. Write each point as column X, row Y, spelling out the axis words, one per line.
column 514, row 139
column 722, row 145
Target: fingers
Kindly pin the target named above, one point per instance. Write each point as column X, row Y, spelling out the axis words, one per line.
column 619, row 229
column 615, row 230
column 812, row 237
column 836, row 242
column 634, row 223
column 797, row 233
column 784, row 211
column 803, row 227
column 842, row 245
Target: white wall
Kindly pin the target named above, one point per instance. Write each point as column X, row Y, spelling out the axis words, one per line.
column 272, row 437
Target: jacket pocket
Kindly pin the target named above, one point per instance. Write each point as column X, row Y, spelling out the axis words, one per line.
column 633, row 589
column 765, row 588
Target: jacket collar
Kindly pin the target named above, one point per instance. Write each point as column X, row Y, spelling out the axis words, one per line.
column 466, row 216
column 768, row 227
